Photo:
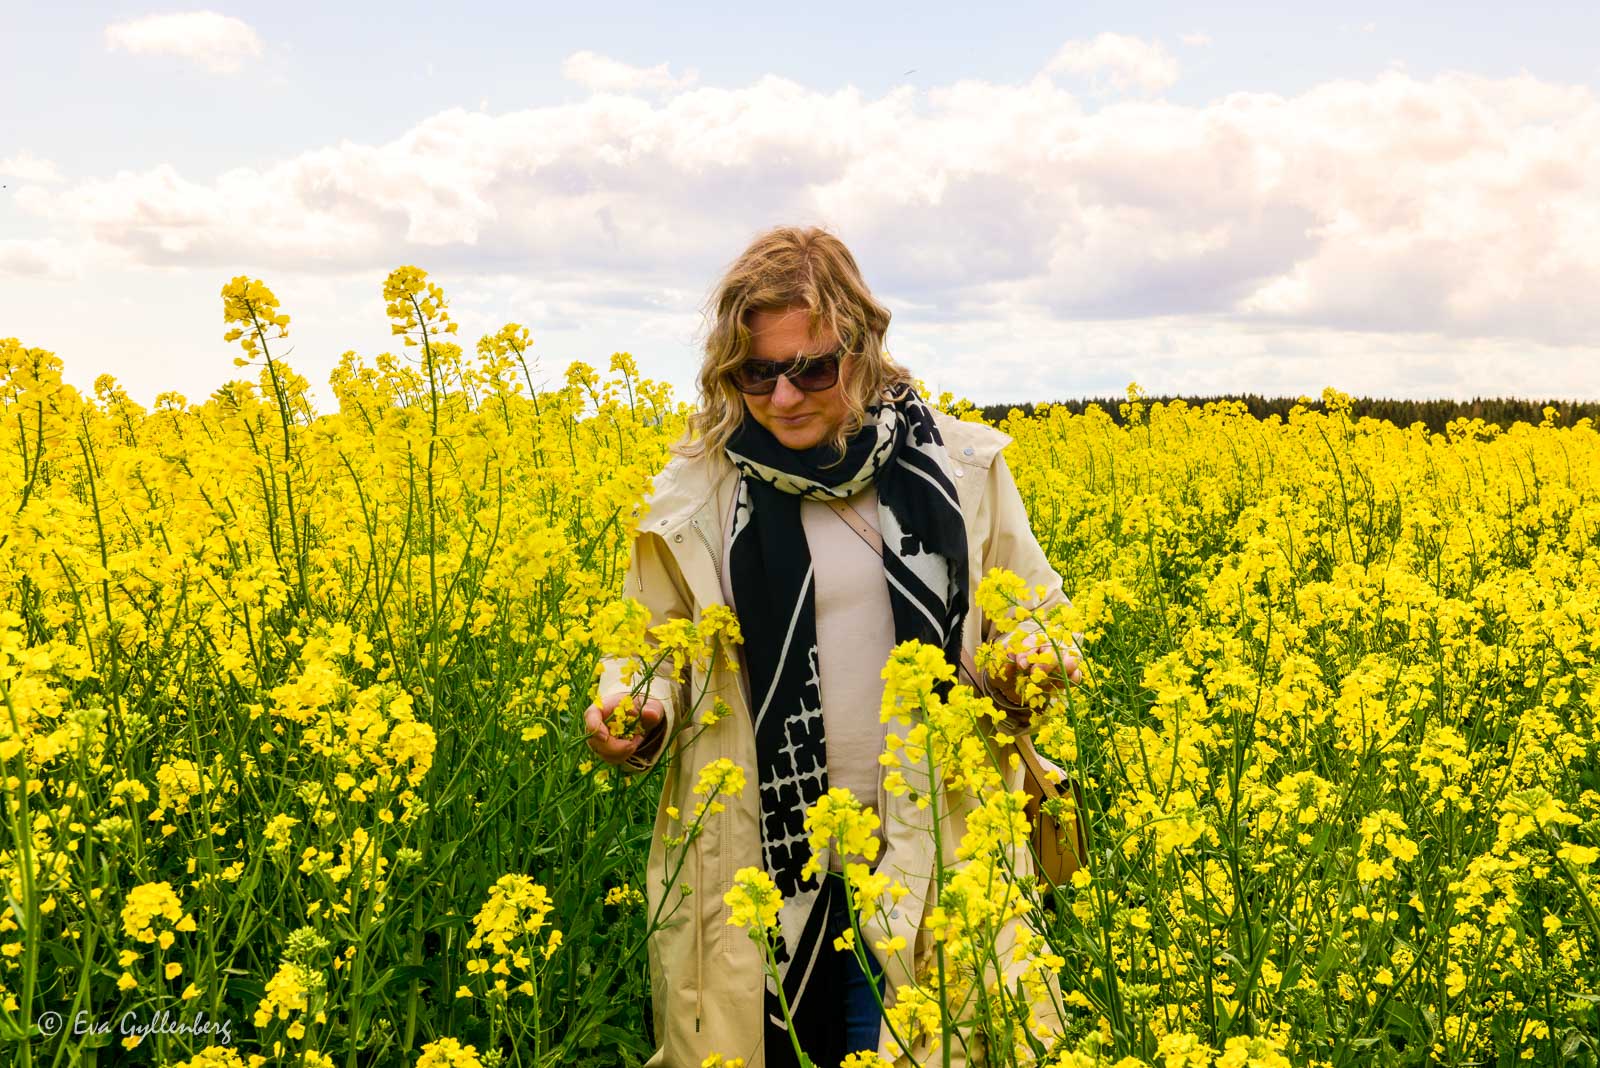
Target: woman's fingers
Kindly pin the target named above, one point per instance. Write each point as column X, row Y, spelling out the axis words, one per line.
column 602, row 742
column 1069, row 666
column 1072, row 668
column 609, row 747
column 597, row 735
column 649, row 715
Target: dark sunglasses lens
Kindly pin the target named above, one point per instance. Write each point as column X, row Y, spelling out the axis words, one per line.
column 817, row 374
column 754, row 377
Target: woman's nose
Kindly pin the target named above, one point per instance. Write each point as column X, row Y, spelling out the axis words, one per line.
column 786, row 394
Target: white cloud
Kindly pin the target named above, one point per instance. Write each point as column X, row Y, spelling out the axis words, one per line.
column 1117, row 62
column 219, row 43
column 1196, row 39
column 602, row 74
column 1419, row 214
column 27, row 167
column 46, row 259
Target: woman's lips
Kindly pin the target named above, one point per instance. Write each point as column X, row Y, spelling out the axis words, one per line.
column 791, row 420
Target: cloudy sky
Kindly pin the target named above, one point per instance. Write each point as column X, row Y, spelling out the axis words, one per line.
column 1053, row 199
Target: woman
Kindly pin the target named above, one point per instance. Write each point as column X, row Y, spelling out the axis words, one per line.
column 799, row 406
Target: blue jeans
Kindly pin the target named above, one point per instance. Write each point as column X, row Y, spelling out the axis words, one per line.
column 861, row 1013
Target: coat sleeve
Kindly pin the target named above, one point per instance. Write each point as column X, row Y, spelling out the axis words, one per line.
column 1011, row 543
column 652, row 579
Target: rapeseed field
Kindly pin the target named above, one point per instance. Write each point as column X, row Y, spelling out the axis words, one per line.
column 294, row 769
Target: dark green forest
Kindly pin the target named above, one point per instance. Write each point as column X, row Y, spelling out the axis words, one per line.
column 1433, row 414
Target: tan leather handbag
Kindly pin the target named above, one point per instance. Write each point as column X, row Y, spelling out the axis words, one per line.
column 1059, row 844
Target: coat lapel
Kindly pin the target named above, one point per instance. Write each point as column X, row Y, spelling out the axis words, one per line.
column 690, row 498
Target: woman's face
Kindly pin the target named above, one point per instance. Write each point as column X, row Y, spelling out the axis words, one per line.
column 799, row 420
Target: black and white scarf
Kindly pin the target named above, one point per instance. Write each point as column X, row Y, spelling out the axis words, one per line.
column 770, row 566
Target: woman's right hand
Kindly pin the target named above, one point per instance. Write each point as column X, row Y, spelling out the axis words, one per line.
column 608, row 747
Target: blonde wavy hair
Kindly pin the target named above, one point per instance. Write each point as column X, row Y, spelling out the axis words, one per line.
column 788, row 267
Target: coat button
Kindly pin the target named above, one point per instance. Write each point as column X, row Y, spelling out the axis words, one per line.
column 960, row 473
column 967, row 451
column 677, row 537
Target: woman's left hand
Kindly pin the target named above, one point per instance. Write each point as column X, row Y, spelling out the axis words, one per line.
column 1019, row 666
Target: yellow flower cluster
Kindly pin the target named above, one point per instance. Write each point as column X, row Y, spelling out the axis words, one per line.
column 754, row 899
column 837, row 821
column 624, row 896
column 149, row 903
column 248, row 302
column 290, row 991
column 415, row 304
column 718, row 779
column 621, row 631
column 449, row 1053
column 509, row 924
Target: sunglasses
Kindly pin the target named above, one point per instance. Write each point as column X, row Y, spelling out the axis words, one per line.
column 808, row 373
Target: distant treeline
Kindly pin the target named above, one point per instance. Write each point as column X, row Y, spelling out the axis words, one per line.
column 1434, row 414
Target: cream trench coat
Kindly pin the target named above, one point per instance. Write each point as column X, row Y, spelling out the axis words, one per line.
column 707, row 979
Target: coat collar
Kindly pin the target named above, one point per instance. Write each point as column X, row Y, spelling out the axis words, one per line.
column 688, row 487
column 684, row 489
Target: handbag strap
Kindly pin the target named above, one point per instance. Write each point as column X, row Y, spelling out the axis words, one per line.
column 1050, row 786
column 853, row 520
